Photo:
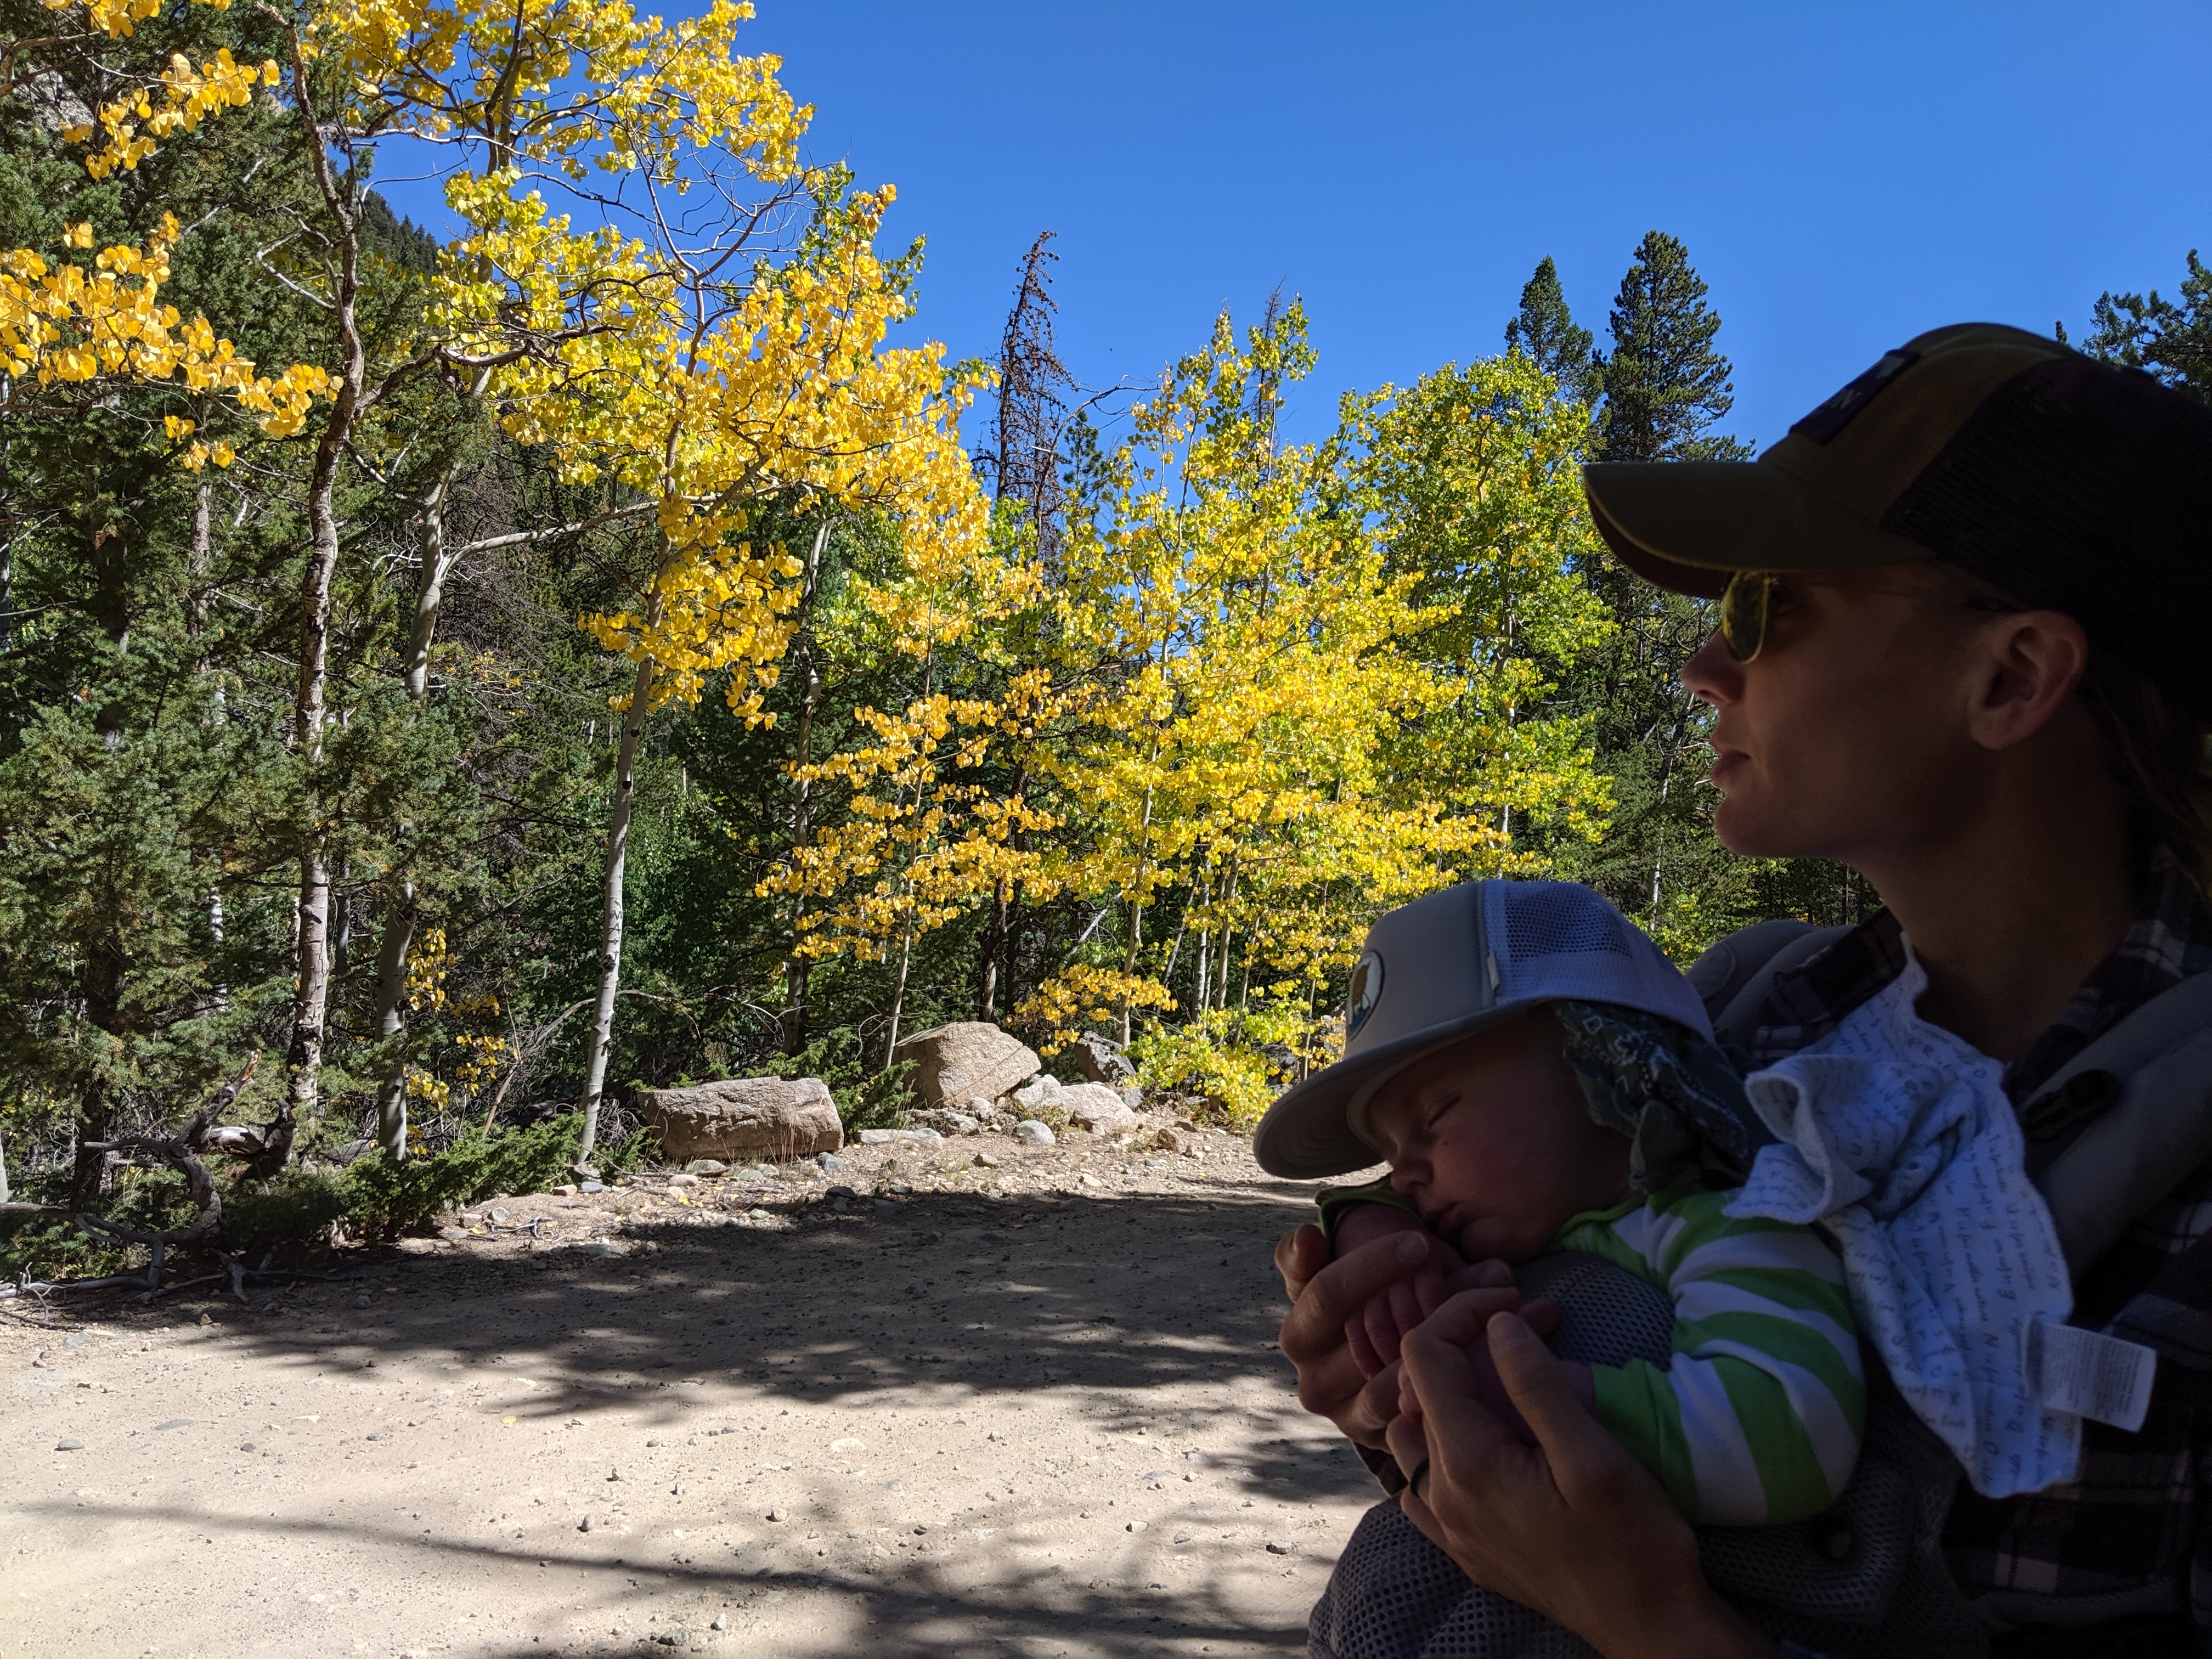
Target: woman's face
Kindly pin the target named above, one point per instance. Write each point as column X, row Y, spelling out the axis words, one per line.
column 1851, row 732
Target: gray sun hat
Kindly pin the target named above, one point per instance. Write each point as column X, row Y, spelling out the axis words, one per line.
column 1447, row 966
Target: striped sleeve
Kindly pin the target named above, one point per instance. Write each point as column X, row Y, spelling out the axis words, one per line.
column 1756, row 1418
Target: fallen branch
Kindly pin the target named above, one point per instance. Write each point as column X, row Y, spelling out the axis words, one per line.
column 181, row 1151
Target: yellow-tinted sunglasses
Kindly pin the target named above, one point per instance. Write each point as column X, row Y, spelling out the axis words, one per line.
column 1743, row 612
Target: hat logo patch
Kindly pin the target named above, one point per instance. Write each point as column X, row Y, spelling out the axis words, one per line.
column 1366, row 991
column 1832, row 416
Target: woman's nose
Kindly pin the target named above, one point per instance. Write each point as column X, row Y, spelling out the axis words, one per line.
column 1711, row 675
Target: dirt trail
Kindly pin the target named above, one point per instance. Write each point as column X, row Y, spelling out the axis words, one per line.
column 1039, row 1418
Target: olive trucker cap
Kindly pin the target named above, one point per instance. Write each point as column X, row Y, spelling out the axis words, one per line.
column 2064, row 483
column 1445, row 967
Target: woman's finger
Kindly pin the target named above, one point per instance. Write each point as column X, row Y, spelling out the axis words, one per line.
column 1405, row 1312
column 1315, row 1325
column 1379, row 1398
column 1536, row 1383
column 1381, row 1326
column 1365, row 1353
column 1299, row 1254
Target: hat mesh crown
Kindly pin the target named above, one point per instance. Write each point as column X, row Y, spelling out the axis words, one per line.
column 1538, row 923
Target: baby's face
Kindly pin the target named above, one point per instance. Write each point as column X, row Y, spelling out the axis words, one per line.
column 1491, row 1141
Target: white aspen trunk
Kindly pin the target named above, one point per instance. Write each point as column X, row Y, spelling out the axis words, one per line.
column 429, row 592
column 610, row 932
column 1136, row 906
column 399, row 915
column 391, row 995
column 1204, row 938
column 1129, row 960
column 202, row 556
column 898, row 996
column 906, row 940
column 797, row 966
column 311, row 982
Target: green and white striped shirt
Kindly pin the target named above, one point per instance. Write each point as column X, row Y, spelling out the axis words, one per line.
column 1756, row 1418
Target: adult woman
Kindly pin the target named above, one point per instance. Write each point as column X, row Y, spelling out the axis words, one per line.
column 1960, row 604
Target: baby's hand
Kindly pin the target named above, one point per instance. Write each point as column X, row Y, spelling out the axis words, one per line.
column 1375, row 1331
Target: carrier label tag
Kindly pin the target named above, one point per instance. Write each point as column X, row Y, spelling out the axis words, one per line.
column 2090, row 1375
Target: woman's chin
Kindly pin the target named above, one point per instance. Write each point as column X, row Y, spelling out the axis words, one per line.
column 1744, row 831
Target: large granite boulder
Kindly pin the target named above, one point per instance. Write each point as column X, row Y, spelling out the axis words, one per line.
column 744, row 1117
column 972, row 1059
column 1101, row 1059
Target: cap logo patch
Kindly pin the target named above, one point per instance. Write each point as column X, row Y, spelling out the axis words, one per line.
column 1832, row 416
column 1366, row 991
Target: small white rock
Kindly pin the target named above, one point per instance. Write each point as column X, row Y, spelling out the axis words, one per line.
column 1030, row 1132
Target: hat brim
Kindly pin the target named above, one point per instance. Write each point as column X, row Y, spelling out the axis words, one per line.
column 1307, row 1133
column 1688, row 525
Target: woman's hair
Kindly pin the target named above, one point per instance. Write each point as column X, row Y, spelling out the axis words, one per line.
column 2160, row 756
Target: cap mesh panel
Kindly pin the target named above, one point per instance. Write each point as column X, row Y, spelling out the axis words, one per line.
column 1538, row 923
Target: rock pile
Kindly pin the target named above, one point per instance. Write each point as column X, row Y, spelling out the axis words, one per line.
column 970, row 1078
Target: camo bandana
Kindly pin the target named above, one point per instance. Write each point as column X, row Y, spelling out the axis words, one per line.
column 1677, row 1098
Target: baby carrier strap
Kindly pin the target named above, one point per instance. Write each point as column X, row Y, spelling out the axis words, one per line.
column 1736, row 976
column 2111, row 1132
column 2124, row 1122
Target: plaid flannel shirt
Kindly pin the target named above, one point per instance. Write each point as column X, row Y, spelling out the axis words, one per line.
column 2117, row 1562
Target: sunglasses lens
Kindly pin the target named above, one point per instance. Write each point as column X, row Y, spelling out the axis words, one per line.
column 1743, row 614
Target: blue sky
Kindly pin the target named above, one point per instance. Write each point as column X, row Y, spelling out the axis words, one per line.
column 1845, row 175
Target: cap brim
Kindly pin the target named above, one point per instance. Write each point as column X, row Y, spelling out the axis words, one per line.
column 1307, row 1133
column 1688, row 525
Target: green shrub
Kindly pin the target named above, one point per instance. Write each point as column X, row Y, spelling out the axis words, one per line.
column 381, row 1197
column 373, row 1197
column 879, row 1102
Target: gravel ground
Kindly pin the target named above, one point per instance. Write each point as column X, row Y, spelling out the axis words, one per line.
column 1028, row 1410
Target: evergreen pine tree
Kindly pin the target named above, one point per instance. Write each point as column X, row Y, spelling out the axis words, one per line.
column 2150, row 332
column 1544, row 332
column 1665, row 383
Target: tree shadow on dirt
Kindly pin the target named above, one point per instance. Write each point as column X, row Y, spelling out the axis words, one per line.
column 939, row 1295
column 921, row 1301
column 913, row 1610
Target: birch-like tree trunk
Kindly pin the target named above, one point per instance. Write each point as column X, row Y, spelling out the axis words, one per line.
column 311, row 983
column 391, row 995
column 399, row 909
column 610, row 932
column 797, row 968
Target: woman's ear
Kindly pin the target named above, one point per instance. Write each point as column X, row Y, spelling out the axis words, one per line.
column 2030, row 663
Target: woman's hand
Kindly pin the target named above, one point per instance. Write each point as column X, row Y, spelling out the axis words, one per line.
column 1324, row 1294
column 1573, row 1526
column 1376, row 1330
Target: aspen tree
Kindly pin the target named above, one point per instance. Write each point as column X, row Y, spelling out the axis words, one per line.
column 1293, row 729
column 743, row 382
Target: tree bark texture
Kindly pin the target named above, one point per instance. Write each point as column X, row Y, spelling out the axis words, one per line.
column 311, row 982
column 611, row 934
